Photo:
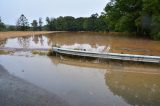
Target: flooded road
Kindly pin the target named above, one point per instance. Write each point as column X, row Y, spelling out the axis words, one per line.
column 86, row 82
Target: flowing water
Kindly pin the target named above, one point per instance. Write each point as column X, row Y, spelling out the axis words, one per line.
column 88, row 82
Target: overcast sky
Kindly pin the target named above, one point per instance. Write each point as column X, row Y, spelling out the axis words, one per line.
column 10, row 10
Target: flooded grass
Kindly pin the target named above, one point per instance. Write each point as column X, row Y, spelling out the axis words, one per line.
column 2, row 52
column 40, row 52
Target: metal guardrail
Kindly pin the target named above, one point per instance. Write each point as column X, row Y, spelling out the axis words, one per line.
column 116, row 56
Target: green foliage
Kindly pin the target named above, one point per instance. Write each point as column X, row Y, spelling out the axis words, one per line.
column 38, row 52
column 126, row 24
column 50, row 24
column 156, row 36
column 69, row 23
column 151, row 6
column 101, row 24
column 79, row 24
column 40, row 24
column 34, row 25
column 11, row 28
column 2, row 25
column 155, row 28
column 141, row 16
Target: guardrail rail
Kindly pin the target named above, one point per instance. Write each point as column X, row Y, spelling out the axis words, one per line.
column 115, row 56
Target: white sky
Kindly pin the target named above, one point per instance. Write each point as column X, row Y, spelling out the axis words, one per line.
column 10, row 10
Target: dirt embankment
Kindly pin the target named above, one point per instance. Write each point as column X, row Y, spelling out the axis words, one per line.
column 4, row 35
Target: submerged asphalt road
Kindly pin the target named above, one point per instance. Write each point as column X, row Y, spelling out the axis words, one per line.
column 17, row 92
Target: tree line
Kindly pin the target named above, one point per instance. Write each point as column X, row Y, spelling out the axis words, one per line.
column 69, row 23
column 136, row 16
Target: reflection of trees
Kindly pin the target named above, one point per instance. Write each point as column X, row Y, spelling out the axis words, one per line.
column 77, row 61
column 141, row 89
column 135, row 88
column 41, row 40
column 3, row 42
column 24, row 41
column 38, row 39
column 50, row 40
column 55, row 60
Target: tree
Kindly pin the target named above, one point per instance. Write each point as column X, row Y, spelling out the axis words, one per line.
column 22, row 23
column 122, row 14
column 40, row 24
column 60, row 24
column 11, row 28
column 34, row 25
column 50, row 24
column 2, row 25
column 90, row 24
column 151, row 9
column 69, row 23
column 140, row 16
column 79, row 24
column 101, row 23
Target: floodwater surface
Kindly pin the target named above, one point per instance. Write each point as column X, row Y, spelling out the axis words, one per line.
column 117, row 43
column 87, row 82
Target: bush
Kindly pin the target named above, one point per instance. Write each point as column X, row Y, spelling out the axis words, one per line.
column 155, row 30
column 156, row 36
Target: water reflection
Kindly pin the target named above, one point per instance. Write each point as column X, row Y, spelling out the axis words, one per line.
column 136, row 87
column 138, row 84
column 24, row 41
column 89, row 82
column 3, row 43
column 38, row 41
column 118, row 43
column 79, row 86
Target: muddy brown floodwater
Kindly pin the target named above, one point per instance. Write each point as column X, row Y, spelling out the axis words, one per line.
column 118, row 43
column 87, row 82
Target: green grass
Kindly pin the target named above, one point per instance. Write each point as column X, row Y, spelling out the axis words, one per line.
column 2, row 52
column 41, row 52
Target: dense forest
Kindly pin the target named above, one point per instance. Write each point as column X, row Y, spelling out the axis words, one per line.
column 136, row 16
